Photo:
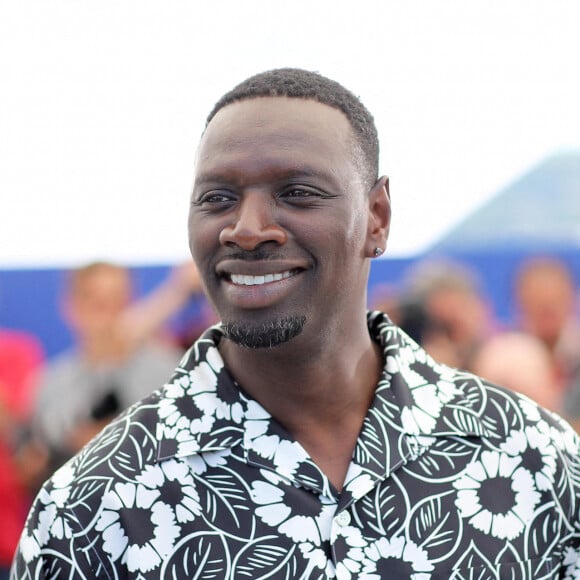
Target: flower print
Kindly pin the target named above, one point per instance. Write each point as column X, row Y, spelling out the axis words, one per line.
column 184, row 415
column 539, row 456
column 571, row 561
column 184, row 409
column 564, row 437
column 261, row 436
column 214, row 359
column 154, row 520
column 395, row 558
column 58, row 496
column 317, row 558
column 50, row 519
column 194, row 401
column 173, row 480
column 353, row 545
column 283, row 507
column 430, row 388
column 530, row 409
column 224, row 405
column 358, row 482
column 198, row 463
column 497, row 495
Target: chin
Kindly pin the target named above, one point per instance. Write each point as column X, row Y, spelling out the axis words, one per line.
column 267, row 334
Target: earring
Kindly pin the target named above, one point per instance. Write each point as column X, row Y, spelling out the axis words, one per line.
column 378, row 251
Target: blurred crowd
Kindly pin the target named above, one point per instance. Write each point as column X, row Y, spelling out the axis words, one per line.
column 442, row 306
column 123, row 350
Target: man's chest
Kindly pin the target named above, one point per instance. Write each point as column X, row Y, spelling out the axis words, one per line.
column 450, row 512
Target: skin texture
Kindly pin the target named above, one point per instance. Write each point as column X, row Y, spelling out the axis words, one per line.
column 278, row 190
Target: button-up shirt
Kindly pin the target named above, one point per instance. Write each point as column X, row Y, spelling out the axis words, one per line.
column 450, row 478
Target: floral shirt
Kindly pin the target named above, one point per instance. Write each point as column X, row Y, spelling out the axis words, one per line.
column 450, row 478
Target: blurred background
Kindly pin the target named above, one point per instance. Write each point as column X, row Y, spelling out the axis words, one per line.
column 101, row 108
column 102, row 104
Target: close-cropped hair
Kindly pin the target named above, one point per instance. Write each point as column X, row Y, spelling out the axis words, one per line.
column 303, row 84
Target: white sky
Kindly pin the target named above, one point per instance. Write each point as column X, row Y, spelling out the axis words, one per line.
column 102, row 103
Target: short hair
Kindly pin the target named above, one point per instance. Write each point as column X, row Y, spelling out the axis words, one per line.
column 303, row 84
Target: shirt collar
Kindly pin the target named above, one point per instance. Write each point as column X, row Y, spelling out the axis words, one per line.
column 202, row 408
column 417, row 395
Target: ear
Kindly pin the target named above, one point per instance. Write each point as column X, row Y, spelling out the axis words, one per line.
column 379, row 217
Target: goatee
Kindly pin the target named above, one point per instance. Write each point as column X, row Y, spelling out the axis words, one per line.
column 266, row 335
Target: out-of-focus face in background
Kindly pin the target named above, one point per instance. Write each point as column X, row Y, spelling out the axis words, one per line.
column 545, row 299
column 97, row 296
column 461, row 313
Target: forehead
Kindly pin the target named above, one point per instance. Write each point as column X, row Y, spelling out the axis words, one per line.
column 103, row 281
column 276, row 127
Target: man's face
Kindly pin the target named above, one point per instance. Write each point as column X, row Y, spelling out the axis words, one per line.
column 279, row 220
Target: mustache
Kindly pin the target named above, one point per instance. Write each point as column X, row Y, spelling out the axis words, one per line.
column 253, row 255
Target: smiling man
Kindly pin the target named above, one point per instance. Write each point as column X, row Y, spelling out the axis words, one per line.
column 304, row 437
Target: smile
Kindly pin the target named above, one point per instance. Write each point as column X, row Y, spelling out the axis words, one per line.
column 247, row 280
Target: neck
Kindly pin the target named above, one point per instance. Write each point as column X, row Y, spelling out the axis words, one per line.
column 320, row 393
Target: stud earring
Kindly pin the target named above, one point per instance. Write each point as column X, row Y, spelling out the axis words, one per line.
column 378, row 251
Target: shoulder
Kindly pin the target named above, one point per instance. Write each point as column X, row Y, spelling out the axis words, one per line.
column 129, row 439
column 68, row 501
column 516, row 426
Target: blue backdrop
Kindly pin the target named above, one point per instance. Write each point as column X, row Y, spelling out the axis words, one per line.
column 29, row 299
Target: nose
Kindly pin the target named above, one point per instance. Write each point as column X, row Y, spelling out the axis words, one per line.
column 253, row 224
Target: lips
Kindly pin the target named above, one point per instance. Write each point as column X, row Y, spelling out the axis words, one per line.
column 259, row 284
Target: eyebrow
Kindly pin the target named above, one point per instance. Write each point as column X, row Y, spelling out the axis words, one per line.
column 210, row 177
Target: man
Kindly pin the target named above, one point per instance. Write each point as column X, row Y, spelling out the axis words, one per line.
column 303, row 437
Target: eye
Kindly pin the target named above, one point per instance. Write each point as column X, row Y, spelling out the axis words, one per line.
column 298, row 192
column 301, row 194
column 214, row 199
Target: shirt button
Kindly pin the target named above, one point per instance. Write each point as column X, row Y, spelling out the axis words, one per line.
column 343, row 519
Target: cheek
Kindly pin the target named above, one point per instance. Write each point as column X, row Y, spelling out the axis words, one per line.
column 203, row 235
column 354, row 231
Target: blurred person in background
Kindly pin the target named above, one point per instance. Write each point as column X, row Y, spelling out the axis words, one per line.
column 20, row 359
column 522, row 363
column 118, row 357
column 547, row 306
column 443, row 303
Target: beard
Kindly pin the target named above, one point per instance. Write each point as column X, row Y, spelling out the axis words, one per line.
column 266, row 335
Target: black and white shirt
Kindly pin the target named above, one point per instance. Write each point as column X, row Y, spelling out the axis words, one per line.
column 450, row 478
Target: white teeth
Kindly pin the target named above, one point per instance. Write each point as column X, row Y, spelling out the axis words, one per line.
column 245, row 280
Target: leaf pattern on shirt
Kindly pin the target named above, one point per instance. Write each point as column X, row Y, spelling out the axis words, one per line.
column 451, row 478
